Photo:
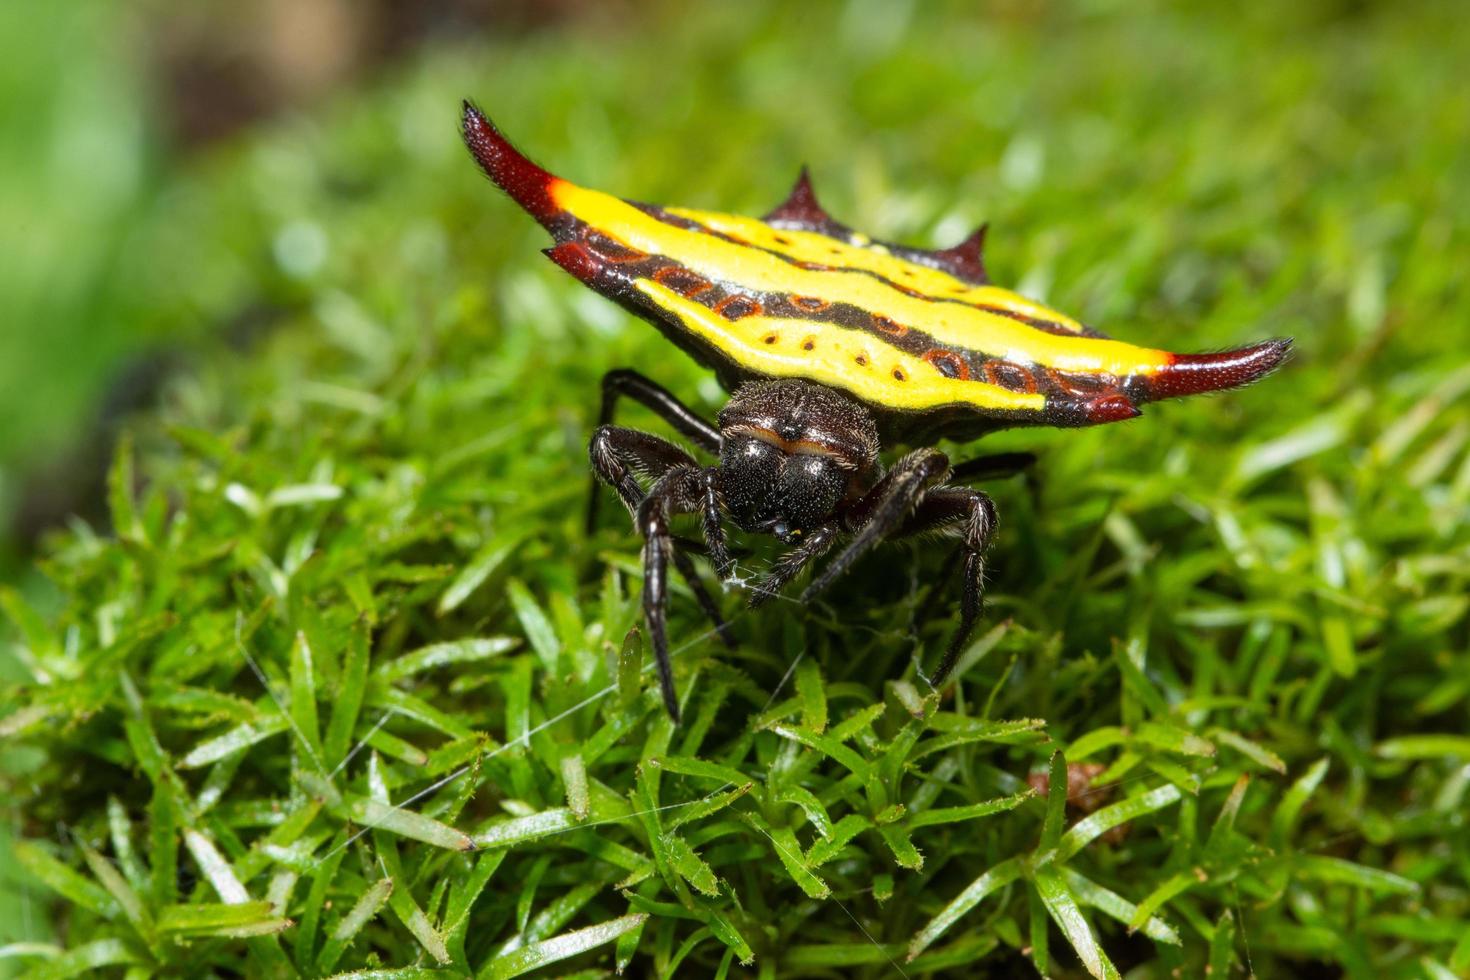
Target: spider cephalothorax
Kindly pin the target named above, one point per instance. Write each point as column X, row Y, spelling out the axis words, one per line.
column 830, row 341
column 791, row 453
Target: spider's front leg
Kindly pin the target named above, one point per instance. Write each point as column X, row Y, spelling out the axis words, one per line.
column 680, row 486
column 679, row 491
column 625, row 383
column 619, row 454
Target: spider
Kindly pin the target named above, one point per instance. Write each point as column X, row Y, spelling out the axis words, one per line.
column 832, row 344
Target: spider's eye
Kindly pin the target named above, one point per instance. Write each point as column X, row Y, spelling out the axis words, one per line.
column 811, row 486
column 749, row 469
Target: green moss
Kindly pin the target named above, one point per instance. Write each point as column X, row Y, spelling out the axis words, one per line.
column 347, row 688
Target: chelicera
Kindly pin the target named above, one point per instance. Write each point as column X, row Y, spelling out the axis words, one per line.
column 800, row 462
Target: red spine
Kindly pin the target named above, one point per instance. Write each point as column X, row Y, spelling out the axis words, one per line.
column 525, row 182
column 1192, row 374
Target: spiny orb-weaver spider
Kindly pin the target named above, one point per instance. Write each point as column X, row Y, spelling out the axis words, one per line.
column 834, row 345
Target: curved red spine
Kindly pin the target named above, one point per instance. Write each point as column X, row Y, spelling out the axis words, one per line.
column 1193, row 374
column 526, row 183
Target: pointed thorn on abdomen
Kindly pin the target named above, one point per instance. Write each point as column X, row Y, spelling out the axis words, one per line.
column 525, row 182
column 967, row 259
column 1192, row 374
column 800, row 207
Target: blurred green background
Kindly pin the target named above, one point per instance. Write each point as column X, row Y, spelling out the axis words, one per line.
column 1322, row 149
column 111, row 112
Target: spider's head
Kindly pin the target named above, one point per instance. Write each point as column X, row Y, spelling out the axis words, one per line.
column 791, row 452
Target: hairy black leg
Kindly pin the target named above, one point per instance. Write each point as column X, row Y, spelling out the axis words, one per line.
column 883, row 510
column 676, row 492
column 974, row 514
column 624, row 383
column 996, row 466
column 789, row 565
column 617, row 454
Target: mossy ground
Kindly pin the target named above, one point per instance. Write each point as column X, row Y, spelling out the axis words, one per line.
column 345, row 623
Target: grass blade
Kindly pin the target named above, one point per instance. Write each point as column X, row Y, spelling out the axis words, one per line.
column 991, row 881
column 233, row 921
column 1056, row 804
column 352, row 689
column 1089, row 828
column 237, row 739
column 537, row 955
column 904, row 851
column 437, row 655
column 690, row 866
column 462, row 898
column 65, row 881
column 828, row 746
column 537, row 626
column 368, row 905
column 1110, row 903
column 574, row 780
column 1251, row 750
column 974, row 811
column 1334, row 870
column 788, row 852
column 1283, row 821
column 122, row 892
column 1424, row 747
column 1062, row 907
column 474, row 573
column 528, row 828
column 85, row 960
column 369, row 812
column 216, row 869
column 812, row 695
column 1160, row 896
column 699, row 769
column 303, row 698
